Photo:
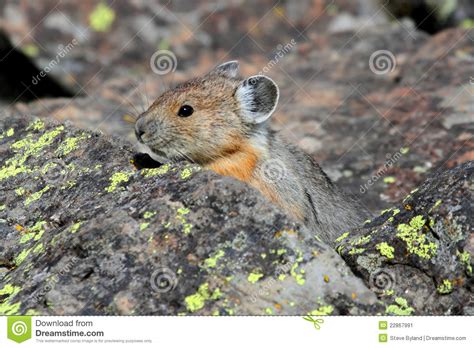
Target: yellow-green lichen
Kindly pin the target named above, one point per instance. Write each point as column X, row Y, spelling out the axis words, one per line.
column 47, row 167
column 268, row 311
column 69, row 184
column 385, row 250
column 36, row 195
column 35, row 232
column 197, row 301
column 22, row 256
column 69, row 145
column 148, row 172
column 254, row 277
column 7, row 133
column 186, row 173
column 465, row 258
column 340, row 249
column 415, row 239
column 30, row 50
column 75, row 227
column 400, row 307
column 38, row 248
column 9, row 309
column 298, row 276
column 181, row 217
column 32, row 147
column 25, row 148
column 396, row 211
column 404, row 150
column 342, row 237
column 101, row 18
column 323, row 310
column 389, row 180
column 436, row 205
column 211, row 262
column 36, row 125
column 8, row 292
column 467, row 23
column 361, row 240
column 144, row 226
column 356, row 251
column 445, row 287
column 20, row 191
column 32, row 312
column 149, row 214
column 2, row 207
column 116, row 179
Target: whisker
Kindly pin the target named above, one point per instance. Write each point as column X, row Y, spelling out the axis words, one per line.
column 146, row 94
column 137, row 90
column 130, row 119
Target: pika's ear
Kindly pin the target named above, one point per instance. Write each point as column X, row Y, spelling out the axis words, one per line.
column 258, row 97
column 229, row 69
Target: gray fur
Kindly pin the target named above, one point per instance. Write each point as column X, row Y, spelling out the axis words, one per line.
column 328, row 211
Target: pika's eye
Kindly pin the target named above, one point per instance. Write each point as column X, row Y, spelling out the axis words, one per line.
column 185, row 111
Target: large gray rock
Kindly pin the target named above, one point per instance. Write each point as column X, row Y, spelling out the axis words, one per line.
column 84, row 232
column 419, row 253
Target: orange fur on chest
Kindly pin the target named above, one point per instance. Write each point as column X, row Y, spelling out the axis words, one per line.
column 239, row 163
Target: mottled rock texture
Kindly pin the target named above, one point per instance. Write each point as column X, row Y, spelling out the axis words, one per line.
column 421, row 250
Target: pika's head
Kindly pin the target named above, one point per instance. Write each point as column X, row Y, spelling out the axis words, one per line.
column 206, row 118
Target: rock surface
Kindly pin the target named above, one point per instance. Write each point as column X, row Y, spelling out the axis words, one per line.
column 85, row 232
column 421, row 250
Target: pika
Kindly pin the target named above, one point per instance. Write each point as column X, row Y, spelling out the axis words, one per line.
column 219, row 121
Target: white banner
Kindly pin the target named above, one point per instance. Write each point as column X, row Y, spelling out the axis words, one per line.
column 236, row 331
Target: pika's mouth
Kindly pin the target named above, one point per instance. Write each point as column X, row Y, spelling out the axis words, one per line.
column 160, row 148
column 157, row 155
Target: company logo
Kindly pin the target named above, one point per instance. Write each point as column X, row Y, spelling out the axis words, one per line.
column 19, row 328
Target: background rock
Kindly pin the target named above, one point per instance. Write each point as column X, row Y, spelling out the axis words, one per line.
column 376, row 135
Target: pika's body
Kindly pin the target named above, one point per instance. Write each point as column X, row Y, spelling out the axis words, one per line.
column 219, row 122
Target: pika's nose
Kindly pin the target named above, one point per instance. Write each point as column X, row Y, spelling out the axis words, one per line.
column 139, row 129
